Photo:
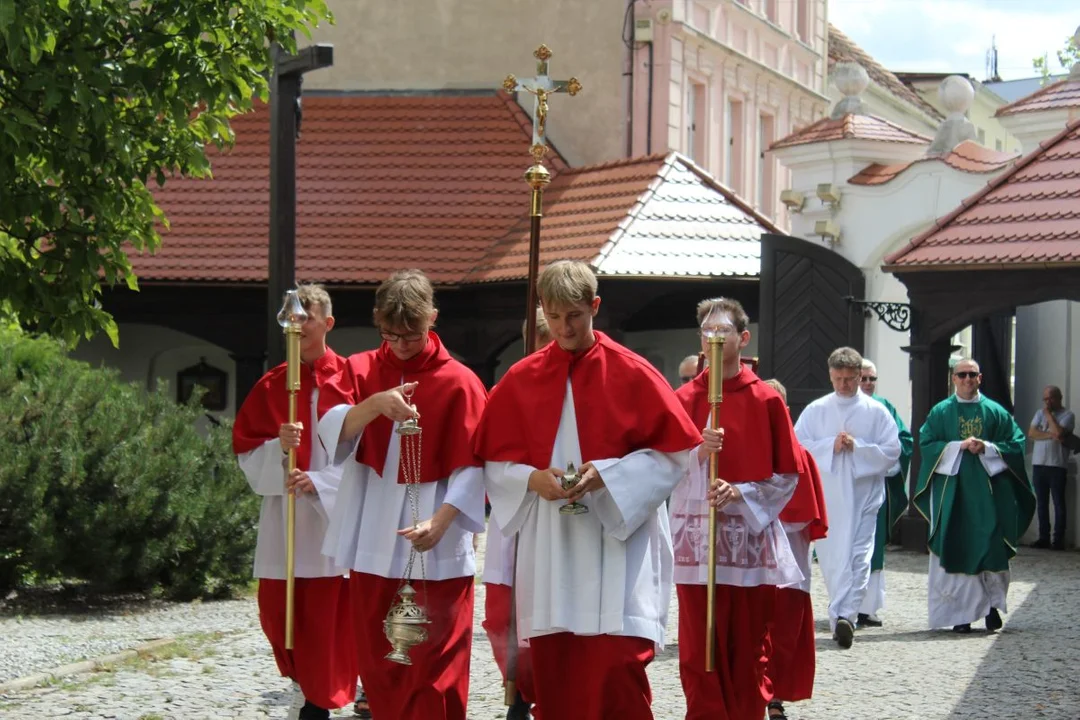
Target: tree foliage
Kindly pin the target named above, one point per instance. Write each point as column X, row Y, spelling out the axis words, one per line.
column 98, row 99
column 105, row 483
column 1068, row 56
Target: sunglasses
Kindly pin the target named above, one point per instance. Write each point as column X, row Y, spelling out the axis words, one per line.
column 869, row 378
column 967, row 374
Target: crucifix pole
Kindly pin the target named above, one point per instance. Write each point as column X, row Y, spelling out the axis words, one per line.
column 538, row 177
column 285, row 93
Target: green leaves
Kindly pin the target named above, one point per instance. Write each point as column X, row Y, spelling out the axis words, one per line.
column 97, row 99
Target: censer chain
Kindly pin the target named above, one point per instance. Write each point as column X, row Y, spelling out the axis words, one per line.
column 410, row 455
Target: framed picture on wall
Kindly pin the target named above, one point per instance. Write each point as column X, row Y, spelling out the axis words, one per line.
column 215, row 380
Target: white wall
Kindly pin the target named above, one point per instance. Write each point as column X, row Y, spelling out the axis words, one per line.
column 1046, row 354
column 150, row 352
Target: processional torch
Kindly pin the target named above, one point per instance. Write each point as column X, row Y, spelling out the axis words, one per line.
column 716, row 396
column 537, row 176
column 291, row 318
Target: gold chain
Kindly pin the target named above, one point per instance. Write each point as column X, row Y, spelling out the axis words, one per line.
column 410, row 455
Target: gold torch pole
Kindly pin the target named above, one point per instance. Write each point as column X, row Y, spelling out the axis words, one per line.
column 716, row 396
column 537, row 176
column 291, row 318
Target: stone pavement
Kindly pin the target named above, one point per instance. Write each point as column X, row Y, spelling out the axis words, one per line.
column 901, row 671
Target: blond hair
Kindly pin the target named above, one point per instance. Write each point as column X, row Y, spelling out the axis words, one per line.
column 778, row 387
column 543, row 330
column 723, row 304
column 314, row 294
column 565, row 283
column 405, row 300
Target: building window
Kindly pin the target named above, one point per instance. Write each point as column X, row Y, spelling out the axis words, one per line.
column 765, row 190
column 982, row 137
column 802, row 20
column 769, row 6
column 696, row 125
column 733, row 129
column 997, row 145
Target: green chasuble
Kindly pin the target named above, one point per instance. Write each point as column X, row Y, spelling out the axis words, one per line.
column 895, row 491
column 975, row 520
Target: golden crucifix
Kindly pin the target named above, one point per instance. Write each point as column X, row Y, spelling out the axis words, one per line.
column 541, row 87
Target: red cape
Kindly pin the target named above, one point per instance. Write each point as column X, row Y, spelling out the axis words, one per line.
column 266, row 407
column 449, row 397
column 759, row 439
column 621, row 404
column 808, row 493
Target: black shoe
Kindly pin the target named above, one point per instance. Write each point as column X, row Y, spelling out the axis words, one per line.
column 1041, row 544
column 964, row 629
column 519, row 710
column 866, row 620
column 1059, row 545
column 360, row 707
column 845, row 633
column 313, row 712
column 993, row 620
column 776, row 705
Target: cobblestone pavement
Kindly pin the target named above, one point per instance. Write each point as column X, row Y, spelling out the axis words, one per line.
column 901, row 671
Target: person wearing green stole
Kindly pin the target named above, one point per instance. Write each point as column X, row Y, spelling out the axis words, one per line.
column 895, row 502
column 974, row 492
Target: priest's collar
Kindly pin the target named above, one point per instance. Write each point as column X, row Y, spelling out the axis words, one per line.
column 977, row 398
column 842, row 400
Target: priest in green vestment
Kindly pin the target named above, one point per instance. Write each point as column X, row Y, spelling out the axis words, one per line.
column 975, row 493
column 895, row 503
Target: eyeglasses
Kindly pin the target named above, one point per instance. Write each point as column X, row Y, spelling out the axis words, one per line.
column 869, row 378
column 394, row 337
column 967, row 374
column 686, row 378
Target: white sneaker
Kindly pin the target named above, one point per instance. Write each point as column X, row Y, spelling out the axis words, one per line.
column 296, row 702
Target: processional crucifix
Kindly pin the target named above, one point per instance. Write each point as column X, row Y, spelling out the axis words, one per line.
column 537, row 176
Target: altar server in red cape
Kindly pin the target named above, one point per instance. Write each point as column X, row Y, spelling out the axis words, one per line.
column 592, row 588
column 322, row 662
column 373, row 530
column 758, row 470
column 794, row 657
column 498, row 581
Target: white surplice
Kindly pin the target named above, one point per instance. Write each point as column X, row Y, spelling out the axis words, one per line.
column 955, row 598
column 371, row 509
column 799, row 540
column 498, row 556
column 854, row 487
column 752, row 548
column 264, row 468
column 607, row 571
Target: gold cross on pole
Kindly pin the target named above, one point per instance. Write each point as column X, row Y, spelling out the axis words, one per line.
column 541, row 87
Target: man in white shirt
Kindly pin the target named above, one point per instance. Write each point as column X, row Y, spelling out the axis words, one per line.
column 1049, row 464
column 854, row 441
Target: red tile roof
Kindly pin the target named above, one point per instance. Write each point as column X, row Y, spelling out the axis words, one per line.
column 851, row 127
column 968, row 156
column 435, row 182
column 659, row 215
column 843, row 49
column 383, row 182
column 1027, row 217
column 1062, row 95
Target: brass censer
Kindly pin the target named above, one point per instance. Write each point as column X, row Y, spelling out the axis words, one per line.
column 570, row 479
column 406, row 623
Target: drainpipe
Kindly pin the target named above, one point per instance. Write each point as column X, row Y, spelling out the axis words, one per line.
column 628, row 40
column 648, row 115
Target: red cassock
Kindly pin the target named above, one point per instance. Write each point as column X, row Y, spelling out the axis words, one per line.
column 497, row 626
column 621, row 404
column 322, row 660
column 759, row 441
column 451, row 400
column 794, row 658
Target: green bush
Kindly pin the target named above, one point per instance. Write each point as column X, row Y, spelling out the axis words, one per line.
column 103, row 482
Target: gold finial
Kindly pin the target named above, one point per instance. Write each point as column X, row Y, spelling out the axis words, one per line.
column 543, row 53
column 573, row 86
column 510, row 84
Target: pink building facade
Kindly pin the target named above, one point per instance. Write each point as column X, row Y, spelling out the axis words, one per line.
column 720, row 80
